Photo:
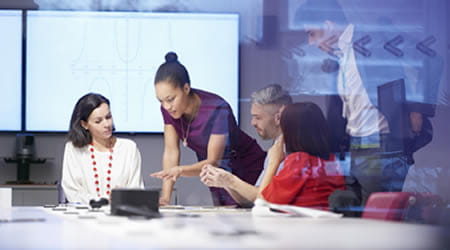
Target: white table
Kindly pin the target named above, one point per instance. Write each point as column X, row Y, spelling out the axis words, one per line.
column 33, row 194
column 205, row 228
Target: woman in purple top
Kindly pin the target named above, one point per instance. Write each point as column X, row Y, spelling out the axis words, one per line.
column 205, row 123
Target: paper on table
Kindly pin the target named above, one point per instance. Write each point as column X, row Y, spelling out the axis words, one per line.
column 264, row 208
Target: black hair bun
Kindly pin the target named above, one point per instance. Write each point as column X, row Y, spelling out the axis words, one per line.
column 171, row 57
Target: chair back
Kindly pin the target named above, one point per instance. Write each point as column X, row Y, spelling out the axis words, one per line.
column 388, row 205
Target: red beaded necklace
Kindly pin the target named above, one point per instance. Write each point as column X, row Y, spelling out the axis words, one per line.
column 95, row 169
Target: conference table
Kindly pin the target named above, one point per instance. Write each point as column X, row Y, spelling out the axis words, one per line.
column 194, row 227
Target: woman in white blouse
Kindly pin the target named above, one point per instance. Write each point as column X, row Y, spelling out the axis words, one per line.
column 95, row 161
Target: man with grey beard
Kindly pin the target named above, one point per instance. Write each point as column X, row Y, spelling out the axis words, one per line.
column 267, row 105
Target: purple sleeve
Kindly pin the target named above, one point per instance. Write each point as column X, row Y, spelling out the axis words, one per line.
column 222, row 120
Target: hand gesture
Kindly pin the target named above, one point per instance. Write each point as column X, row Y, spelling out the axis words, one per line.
column 215, row 177
column 168, row 174
column 163, row 201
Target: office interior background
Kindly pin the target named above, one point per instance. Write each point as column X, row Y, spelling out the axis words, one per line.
column 272, row 48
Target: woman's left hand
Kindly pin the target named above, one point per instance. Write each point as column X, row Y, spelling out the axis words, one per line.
column 276, row 152
column 276, row 156
column 169, row 174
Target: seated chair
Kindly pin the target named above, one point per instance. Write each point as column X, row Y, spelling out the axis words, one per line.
column 404, row 206
column 387, row 205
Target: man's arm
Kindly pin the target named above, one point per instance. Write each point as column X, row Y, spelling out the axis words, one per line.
column 241, row 191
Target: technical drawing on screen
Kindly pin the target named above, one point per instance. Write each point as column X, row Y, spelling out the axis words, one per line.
column 116, row 54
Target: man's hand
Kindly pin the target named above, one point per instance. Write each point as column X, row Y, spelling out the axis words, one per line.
column 416, row 122
column 215, row 177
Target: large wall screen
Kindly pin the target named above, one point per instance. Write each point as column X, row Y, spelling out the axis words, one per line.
column 11, row 70
column 116, row 54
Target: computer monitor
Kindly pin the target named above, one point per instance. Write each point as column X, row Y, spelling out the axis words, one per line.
column 116, row 54
column 11, row 70
column 426, row 109
column 392, row 104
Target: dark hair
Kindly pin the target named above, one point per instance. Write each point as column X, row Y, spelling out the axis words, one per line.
column 172, row 71
column 79, row 136
column 315, row 12
column 305, row 129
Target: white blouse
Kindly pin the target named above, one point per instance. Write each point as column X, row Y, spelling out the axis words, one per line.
column 78, row 176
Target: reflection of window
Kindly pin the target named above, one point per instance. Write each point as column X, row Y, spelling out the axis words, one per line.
column 393, row 39
column 250, row 12
column 307, row 70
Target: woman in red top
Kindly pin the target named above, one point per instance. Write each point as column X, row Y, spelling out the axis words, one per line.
column 310, row 172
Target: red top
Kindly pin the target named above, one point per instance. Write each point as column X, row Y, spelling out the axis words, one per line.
column 305, row 181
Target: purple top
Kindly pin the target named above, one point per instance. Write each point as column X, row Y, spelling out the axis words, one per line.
column 242, row 155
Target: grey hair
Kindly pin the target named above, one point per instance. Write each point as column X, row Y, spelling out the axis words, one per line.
column 272, row 94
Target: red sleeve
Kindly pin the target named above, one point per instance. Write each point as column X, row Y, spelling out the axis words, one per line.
column 285, row 186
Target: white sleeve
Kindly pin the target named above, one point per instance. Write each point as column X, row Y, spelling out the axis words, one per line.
column 263, row 172
column 135, row 177
column 72, row 188
column 68, row 182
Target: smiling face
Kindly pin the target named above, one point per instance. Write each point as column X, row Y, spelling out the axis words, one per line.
column 173, row 99
column 99, row 123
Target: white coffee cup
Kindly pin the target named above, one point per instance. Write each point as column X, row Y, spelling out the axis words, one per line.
column 5, row 197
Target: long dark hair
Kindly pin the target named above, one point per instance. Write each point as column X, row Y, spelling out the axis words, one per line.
column 79, row 136
column 305, row 129
column 172, row 71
